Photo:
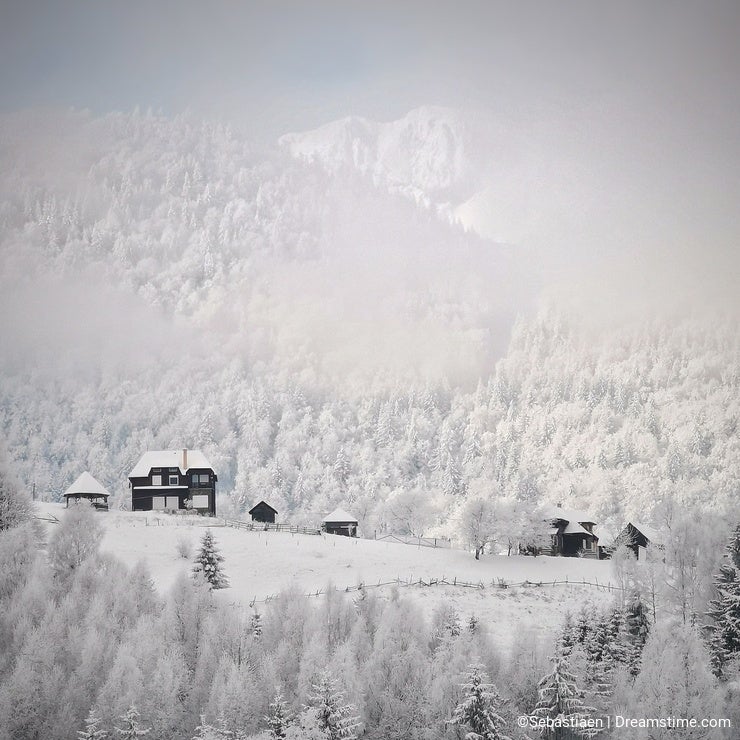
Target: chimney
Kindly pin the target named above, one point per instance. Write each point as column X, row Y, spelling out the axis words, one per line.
column 559, row 505
column 185, row 461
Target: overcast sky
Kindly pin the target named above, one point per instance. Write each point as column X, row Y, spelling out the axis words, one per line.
column 632, row 108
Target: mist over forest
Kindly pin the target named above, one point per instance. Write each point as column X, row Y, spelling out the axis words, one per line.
column 331, row 322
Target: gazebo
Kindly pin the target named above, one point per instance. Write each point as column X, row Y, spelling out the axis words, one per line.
column 340, row 522
column 86, row 488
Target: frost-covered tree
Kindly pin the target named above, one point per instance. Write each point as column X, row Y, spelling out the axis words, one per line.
column 92, row 730
column 208, row 563
column 15, row 504
column 560, row 700
column 724, row 611
column 334, row 716
column 477, row 524
column 637, row 629
column 477, row 710
column 130, row 726
column 278, row 717
column 76, row 538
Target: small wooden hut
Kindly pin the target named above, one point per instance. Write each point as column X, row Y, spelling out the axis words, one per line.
column 340, row 522
column 263, row 512
column 87, row 488
column 637, row 537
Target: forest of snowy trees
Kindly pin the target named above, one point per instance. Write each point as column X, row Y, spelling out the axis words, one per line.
column 163, row 233
column 88, row 646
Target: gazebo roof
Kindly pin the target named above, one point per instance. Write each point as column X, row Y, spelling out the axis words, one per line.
column 339, row 515
column 86, row 485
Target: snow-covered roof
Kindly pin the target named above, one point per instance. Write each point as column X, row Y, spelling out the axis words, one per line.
column 576, row 528
column 651, row 534
column 569, row 515
column 85, row 483
column 169, row 459
column 339, row 515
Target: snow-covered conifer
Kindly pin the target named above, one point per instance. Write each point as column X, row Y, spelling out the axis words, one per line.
column 278, row 717
column 131, row 728
column 92, row 730
column 560, row 698
column 208, row 562
column 334, row 717
column 724, row 631
column 477, row 710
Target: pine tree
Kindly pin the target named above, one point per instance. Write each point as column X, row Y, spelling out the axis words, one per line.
column 208, row 562
column 204, row 731
column 473, row 624
column 278, row 718
column 724, row 631
column 335, row 718
column 636, row 628
column 477, row 709
column 256, row 625
column 92, row 731
column 560, row 697
column 131, row 728
column 567, row 637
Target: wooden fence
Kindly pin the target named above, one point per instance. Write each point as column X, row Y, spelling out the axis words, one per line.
column 267, row 527
column 418, row 541
column 498, row 583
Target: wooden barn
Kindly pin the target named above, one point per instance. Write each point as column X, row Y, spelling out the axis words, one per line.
column 637, row 537
column 340, row 522
column 87, row 488
column 173, row 480
column 572, row 533
column 263, row 512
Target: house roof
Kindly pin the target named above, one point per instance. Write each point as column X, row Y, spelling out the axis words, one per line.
column 576, row 528
column 339, row 515
column 169, row 459
column 569, row 515
column 85, row 483
column 263, row 503
column 650, row 533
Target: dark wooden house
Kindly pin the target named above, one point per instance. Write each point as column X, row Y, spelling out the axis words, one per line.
column 173, row 480
column 87, row 488
column 340, row 522
column 263, row 512
column 572, row 533
column 637, row 537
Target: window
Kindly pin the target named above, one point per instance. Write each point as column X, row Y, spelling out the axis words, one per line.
column 158, row 503
column 174, row 480
column 200, row 501
column 156, row 480
column 588, row 544
column 201, row 479
column 173, row 502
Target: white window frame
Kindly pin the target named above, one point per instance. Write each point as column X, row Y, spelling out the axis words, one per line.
column 201, row 501
column 159, row 503
column 588, row 543
column 172, row 502
column 156, row 480
column 173, row 479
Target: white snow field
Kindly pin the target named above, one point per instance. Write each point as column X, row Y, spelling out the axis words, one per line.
column 260, row 564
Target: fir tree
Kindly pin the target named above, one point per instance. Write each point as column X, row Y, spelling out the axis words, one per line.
column 560, row 698
column 476, row 711
column 567, row 637
column 636, row 629
column 131, row 728
column 473, row 624
column 278, row 718
column 92, row 730
column 335, row 718
column 204, row 731
column 724, row 631
column 208, row 562
column 256, row 625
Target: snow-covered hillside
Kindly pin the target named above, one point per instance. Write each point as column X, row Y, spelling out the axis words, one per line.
column 428, row 155
column 261, row 564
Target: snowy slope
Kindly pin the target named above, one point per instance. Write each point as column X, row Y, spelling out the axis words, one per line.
column 260, row 564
